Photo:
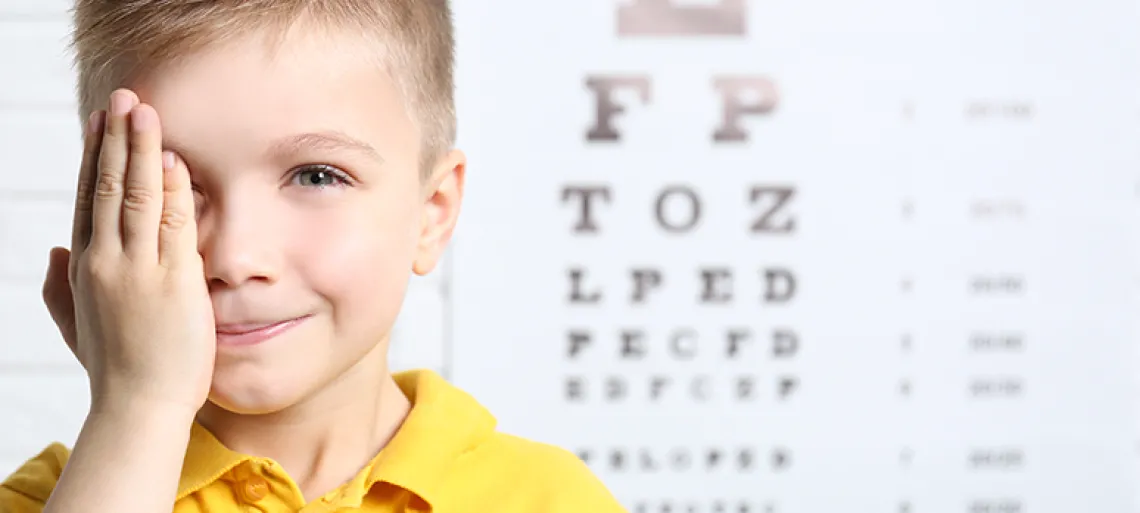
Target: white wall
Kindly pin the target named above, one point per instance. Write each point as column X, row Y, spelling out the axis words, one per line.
column 44, row 391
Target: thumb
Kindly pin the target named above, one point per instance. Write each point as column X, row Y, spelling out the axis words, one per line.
column 57, row 296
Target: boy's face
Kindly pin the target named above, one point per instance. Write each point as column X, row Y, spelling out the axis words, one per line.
column 311, row 207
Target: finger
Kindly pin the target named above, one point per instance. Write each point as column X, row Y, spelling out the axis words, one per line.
column 85, row 189
column 178, row 229
column 143, row 185
column 57, row 297
column 108, row 203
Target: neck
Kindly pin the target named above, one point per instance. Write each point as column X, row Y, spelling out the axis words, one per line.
column 323, row 441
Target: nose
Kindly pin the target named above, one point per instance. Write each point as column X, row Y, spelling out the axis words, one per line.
column 237, row 247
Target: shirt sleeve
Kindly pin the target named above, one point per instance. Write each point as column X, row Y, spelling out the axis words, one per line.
column 28, row 488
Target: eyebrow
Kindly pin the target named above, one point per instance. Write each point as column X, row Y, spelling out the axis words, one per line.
column 330, row 140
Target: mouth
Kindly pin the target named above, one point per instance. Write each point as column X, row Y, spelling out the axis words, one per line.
column 248, row 334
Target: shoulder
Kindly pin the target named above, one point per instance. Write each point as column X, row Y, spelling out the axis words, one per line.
column 548, row 477
column 28, row 488
column 486, row 469
column 519, row 451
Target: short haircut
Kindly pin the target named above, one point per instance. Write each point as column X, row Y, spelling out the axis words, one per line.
column 115, row 38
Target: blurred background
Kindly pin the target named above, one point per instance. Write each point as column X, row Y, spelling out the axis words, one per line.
column 739, row 255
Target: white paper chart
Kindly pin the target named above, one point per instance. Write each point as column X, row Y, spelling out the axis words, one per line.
column 799, row 257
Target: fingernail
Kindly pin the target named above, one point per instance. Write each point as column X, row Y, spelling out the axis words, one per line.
column 142, row 120
column 168, row 160
column 120, row 103
column 95, row 121
column 52, row 255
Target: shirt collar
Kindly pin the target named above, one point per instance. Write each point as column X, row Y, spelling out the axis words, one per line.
column 206, row 461
column 444, row 422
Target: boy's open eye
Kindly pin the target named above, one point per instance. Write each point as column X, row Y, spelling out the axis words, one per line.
column 319, row 176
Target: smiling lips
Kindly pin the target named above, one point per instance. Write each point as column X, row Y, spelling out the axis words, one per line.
column 248, row 334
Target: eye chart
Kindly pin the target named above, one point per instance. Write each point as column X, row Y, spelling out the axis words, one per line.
column 743, row 256
column 793, row 257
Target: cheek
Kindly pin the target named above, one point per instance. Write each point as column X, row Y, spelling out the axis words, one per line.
column 356, row 253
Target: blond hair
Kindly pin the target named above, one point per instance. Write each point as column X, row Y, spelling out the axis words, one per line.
column 114, row 39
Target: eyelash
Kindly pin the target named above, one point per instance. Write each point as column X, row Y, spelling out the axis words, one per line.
column 340, row 178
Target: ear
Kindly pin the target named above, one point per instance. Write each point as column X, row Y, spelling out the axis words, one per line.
column 444, row 194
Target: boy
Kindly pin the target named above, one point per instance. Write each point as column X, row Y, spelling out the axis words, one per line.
column 258, row 179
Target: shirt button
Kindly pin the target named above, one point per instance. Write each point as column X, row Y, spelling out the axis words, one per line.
column 253, row 489
column 243, row 470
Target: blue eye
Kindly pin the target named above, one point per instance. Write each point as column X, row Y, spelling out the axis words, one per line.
column 320, row 176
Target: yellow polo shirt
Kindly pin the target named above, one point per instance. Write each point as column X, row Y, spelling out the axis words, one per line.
column 447, row 457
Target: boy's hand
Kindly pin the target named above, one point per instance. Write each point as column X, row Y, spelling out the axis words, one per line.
column 131, row 299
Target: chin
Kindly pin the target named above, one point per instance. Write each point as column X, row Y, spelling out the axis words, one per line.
column 245, row 405
column 245, row 395
column 240, row 407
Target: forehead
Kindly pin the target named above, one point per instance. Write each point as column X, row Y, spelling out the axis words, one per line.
column 260, row 87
